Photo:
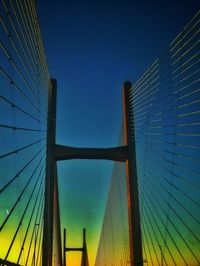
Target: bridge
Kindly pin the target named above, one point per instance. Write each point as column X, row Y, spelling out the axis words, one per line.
column 152, row 214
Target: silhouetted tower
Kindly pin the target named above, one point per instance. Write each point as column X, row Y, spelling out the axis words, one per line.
column 57, row 152
column 83, row 249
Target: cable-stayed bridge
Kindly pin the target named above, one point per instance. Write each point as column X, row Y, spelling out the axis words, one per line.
column 152, row 215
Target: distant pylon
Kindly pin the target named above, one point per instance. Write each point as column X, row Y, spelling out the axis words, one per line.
column 84, row 260
column 83, row 249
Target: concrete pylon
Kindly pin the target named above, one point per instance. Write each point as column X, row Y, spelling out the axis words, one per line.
column 83, row 249
column 126, row 153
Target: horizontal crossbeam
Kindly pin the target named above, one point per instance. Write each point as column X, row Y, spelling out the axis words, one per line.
column 74, row 249
column 119, row 154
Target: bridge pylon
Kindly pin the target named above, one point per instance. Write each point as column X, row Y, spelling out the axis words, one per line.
column 83, row 249
column 126, row 154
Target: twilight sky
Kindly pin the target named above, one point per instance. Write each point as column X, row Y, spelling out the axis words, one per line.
column 91, row 48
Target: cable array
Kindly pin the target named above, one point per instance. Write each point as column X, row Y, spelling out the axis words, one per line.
column 24, row 85
column 114, row 240
column 166, row 123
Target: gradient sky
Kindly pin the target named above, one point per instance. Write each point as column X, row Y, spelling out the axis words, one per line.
column 91, row 48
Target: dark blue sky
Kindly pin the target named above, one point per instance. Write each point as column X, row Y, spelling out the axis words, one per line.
column 91, row 48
